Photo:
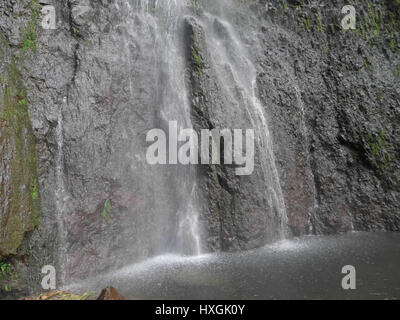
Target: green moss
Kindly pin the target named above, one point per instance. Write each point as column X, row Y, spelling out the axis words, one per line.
column 19, row 194
column 378, row 148
column 380, row 25
column 7, row 277
column 367, row 63
column 313, row 20
column 319, row 22
column 398, row 71
column 198, row 61
column 106, row 212
column 29, row 38
column 307, row 23
column 5, row 269
column 29, row 33
column 35, row 193
column 76, row 31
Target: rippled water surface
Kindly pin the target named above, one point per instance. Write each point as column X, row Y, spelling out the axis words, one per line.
column 304, row 268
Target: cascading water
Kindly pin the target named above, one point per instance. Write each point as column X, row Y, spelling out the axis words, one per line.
column 188, row 230
column 165, row 19
column 137, row 65
column 237, row 73
column 158, row 207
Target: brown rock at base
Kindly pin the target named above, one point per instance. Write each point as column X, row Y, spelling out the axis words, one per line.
column 110, row 293
column 61, row 295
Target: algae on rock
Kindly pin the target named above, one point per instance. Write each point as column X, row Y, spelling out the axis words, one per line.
column 19, row 190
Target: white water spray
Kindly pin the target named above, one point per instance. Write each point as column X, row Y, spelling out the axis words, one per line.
column 61, row 197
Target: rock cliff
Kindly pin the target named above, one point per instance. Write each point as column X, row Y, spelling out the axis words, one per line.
column 77, row 101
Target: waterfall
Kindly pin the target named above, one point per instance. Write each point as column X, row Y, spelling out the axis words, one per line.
column 141, row 211
column 237, row 73
column 188, row 231
column 163, row 18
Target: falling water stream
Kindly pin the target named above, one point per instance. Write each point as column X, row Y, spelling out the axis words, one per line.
column 166, row 19
column 61, row 197
column 163, row 21
column 182, row 269
column 232, row 60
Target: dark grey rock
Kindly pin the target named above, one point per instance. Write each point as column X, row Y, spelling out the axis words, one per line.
column 331, row 99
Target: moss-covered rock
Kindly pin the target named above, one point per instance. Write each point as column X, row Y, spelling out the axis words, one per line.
column 19, row 191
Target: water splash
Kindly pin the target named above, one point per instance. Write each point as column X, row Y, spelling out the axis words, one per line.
column 188, row 231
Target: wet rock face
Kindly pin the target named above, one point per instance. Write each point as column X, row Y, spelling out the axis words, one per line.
column 331, row 99
column 235, row 209
column 19, row 190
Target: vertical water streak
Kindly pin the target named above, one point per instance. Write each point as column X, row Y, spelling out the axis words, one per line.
column 60, row 196
column 229, row 53
column 188, row 231
column 164, row 19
